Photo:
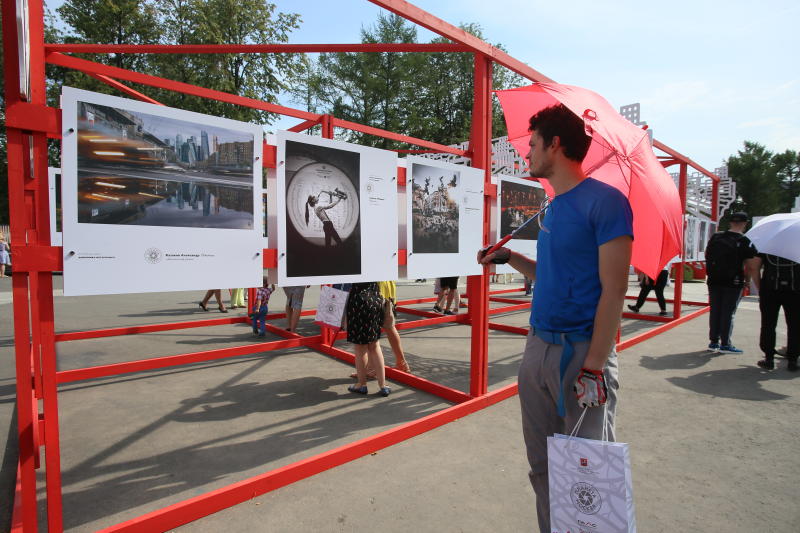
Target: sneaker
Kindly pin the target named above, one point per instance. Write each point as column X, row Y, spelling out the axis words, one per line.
column 633, row 308
column 662, row 313
column 713, row 346
column 792, row 366
column 768, row 363
column 448, row 312
column 729, row 348
column 385, row 391
column 437, row 309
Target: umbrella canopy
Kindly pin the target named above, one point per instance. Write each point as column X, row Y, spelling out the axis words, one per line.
column 620, row 155
column 778, row 235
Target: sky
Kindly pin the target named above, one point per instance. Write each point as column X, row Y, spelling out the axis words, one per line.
column 708, row 74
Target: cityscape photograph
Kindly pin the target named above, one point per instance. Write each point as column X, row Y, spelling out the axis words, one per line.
column 518, row 203
column 140, row 169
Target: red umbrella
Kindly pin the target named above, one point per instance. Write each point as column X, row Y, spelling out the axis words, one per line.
column 620, row 155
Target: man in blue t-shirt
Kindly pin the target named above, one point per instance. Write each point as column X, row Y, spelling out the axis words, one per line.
column 581, row 274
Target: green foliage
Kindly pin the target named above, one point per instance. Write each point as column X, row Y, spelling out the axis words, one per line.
column 766, row 183
column 258, row 76
column 424, row 95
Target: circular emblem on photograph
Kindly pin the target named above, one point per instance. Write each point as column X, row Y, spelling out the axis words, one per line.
column 153, row 255
column 586, row 498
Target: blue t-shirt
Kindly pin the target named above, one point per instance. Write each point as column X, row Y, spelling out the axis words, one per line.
column 567, row 277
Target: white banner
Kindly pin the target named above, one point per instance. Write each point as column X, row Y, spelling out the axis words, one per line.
column 158, row 199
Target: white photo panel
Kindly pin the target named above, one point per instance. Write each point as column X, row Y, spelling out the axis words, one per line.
column 158, row 199
column 337, row 215
column 54, row 188
column 517, row 201
column 444, row 214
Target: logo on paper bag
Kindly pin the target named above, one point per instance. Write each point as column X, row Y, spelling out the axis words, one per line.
column 153, row 255
column 584, row 461
column 586, row 498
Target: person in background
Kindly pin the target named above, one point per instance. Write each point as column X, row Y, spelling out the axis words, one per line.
column 260, row 308
column 778, row 282
column 729, row 265
column 237, row 299
column 216, row 293
column 364, row 320
column 648, row 284
column 5, row 256
column 581, row 274
column 448, row 287
column 294, row 305
column 388, row 290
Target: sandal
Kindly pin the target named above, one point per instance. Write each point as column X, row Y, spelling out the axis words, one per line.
column 203, row 306
column 355, row 389
column 385, row 391
column 222, row 309
column 370, row 375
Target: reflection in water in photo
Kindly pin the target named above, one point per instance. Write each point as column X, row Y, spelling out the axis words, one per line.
column 162, row 202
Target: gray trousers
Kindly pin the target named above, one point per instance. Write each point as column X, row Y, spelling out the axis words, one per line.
column 539, row 386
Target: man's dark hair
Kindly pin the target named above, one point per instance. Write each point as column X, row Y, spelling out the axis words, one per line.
column 559, row 121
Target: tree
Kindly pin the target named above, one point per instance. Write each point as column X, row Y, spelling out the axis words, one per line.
column 424, row 95
column 787, row 169
column 758, row 187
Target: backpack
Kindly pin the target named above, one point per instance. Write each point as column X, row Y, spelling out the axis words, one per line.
column 723, row 261
column 780, row 274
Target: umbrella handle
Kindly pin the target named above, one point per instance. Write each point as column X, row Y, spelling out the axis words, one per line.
column 499, row 244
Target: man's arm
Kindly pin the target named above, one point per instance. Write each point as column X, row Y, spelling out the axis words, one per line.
column 519, row 262
column 614, row 259
column 753, row 268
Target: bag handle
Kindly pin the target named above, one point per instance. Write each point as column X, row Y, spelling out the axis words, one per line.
column 604, row 435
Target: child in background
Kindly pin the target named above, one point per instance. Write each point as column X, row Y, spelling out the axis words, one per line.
column 260, row 308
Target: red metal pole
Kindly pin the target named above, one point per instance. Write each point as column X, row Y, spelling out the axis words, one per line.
column 676, row 313
column 478, row 286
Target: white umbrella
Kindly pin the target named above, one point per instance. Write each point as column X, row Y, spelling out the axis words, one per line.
column 778, row 235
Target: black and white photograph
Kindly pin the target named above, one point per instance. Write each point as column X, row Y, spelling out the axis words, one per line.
column 323, row 223
column 518, row 203
column 142, row 169
column 434, row 209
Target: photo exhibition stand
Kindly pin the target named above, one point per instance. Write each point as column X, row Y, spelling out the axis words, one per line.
column 30, row 122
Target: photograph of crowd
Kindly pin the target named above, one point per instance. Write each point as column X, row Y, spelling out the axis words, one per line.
column 323, row 226
column 434, row 210
column 518, row 203
column 141, row 169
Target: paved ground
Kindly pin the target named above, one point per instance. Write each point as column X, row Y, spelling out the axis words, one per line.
column 713, row 443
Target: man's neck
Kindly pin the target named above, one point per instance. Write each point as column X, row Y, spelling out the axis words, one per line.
column 565, row 179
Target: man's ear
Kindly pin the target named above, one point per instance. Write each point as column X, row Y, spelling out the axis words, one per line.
column 556, row 142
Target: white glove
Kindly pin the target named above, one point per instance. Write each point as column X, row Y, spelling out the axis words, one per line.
column 590, row 388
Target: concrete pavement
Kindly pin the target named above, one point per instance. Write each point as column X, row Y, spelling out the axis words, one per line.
column 712, row 437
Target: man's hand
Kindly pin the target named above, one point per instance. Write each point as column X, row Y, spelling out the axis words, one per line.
column 498, row 257
column 590, row 388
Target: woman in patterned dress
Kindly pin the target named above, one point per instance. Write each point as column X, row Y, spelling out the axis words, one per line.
column 364, row 320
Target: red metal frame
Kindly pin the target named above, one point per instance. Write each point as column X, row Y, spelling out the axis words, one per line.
column 29, row 122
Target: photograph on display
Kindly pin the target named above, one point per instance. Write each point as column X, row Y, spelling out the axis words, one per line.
column 141, row 169
column 518, row 203
column 323, row 211
column 434, row 209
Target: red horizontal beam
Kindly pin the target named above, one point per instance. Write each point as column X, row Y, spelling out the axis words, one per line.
column 205, row 504
column 507, row 328
column 34, row 117
column 83, row 65
column 303, row 126
column 505, row 300
column 68, row 376
column 148, row 328
column 340, row 123
column 455, row 34
column 446, row 393
column 677, row 155
column 650, row 318
column 251, row 48
column 38, row 259
column 660, row 329
column 509, row 309
column 124, row 89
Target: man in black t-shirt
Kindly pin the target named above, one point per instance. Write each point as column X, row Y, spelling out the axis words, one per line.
column 778, row 286
column 729, row 265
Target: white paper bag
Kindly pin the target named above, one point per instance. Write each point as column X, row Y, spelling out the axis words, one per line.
column 331, row 306
column 590, row 486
